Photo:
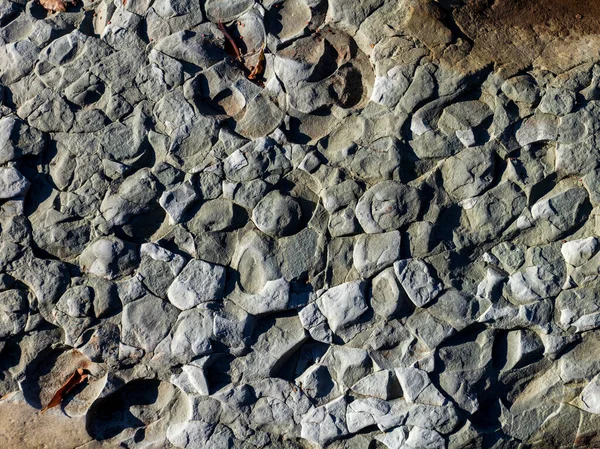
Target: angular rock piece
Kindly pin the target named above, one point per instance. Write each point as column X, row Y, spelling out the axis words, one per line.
column 417, row 281
column 590, row 396
column 12, row 183
column 146, row 321
column 578, row 252
column 417, row 387
column 198, row 282
column 109, row 258
column 579, row 308
column 374, row 252
column 327, row 423
column 425, row 438
column 469, row 173
column 537, row 128
column 176, row 201
column 343, row 305
column 377, row 385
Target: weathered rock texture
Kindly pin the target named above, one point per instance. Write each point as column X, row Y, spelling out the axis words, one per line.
column 300, row 224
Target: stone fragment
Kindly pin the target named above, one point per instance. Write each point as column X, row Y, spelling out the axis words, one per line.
column 387, row 206
column 191, row 335
column 277, row 215
column 521, row 89
column 557, row 101
column 374, row 252
column 197, row 283
column 425, row 438
column 522, row 347
column 417, row 387
column 365, row 412
column 589, row 396
column 12, row 183
column 378, row 385
column 109, row 258
column 578, row 252
column 557, row 212
column 394, row 439
column 388, row 298
column 421, row 88
column 488, row 222
column 158, row 267
column 146, row 321
column 417, row 281
column 578, row 308
column 176, row 201
column 537, row 128
column 469, row 173
column 343, row 305
column 327, row 423
column 226, row 10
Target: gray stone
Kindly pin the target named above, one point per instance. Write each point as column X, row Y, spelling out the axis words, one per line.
column 387, row 206
column 557, row 212
column 388, row 298
column 13, row 312
column 191, row 335
column 109, row 258
column 197, row 282
column 12, row 183
column 343, row 305
column 488, row 222
column 578, row 252
column 343, row 194
column 537, row 128
column 18, row 140
column 522, row 88
column 557, row 101
column 216, row 215
column 578, row 308
column 425, row 438
column 378, row 385
column 373, row 253
column 146, row 322
column 421, row 88
column 176, row 201
column 158, row 268
column 327, row 423
column 417, row 281
column 277, row 215
column 469, row 173
column 226, row 10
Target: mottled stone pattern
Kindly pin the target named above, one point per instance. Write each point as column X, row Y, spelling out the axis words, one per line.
column 352, row 224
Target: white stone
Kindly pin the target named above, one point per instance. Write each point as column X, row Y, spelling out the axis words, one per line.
column 590, row 396
column 420, row 438
column 578, row 252
column 12, row 183
column 376, row 385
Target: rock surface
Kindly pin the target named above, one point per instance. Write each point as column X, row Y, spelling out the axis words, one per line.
column 299, row 224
